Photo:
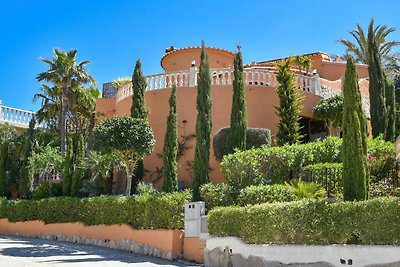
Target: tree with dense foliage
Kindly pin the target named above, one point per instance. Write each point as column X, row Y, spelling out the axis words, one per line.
column 391, row 110
column 66, row 75
column 330, row 111
column 238, row 129
column 101, row 167
column 289, row 106
column 133, row 138
column 203, row 126
column 375, row 50
column 25, row 180
column 377, row 91
column 79, row 169
column 355, row 132
column 170, row 182
column 68, row 168
column 46, row 162
column 138, row 111
column 11, row 155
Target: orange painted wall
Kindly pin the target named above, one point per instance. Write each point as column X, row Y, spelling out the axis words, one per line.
column 193, row 249
column 260, row 108
column 166, row 240
column 182, row 59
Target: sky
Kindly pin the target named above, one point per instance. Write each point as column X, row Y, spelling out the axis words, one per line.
column 114, row 34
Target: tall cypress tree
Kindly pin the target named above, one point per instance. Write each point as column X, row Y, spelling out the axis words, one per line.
column 68, row 168
column 139, row 111
column 78, row 169
column 203, row 126
column 238, row 129
column 3, row 168
column 289, row 106
column 25, row 179
column 379, row 118
column 354, row 148
column 170, row 183
column 391, row 110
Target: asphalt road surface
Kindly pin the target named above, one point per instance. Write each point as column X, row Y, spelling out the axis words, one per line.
column 21, row 251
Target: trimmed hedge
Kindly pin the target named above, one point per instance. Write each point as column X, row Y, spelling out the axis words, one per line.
column 222, row 195
column 264, row 194
column 277, row 164
column 371, row 222
column 158, row 211
column 216, row 195
column 255, row 137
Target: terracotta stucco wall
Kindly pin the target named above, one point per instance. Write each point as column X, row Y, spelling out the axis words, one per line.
column 166, row 240
column 182, row 59
column 261, row 114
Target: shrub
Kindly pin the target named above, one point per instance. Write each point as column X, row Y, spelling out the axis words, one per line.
column 277, row 164
column 382, row 161
column 144, row 188
column 305, row 189
column 371, row 222
column 264, row 194
column 255, row 137
column 215, row 195
column 43, row 191
column 157, row 211
column 329, row 175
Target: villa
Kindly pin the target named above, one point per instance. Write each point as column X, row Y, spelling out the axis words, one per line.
column 181, row 69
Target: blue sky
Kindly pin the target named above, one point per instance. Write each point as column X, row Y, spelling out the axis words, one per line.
column 113, row 34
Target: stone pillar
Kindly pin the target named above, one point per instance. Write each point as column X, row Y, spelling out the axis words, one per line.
column 316, row 84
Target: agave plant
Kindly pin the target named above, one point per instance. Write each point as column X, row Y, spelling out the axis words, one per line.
column 305, row 189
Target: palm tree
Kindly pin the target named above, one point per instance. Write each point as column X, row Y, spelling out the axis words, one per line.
column 49, row 112
column 359, row 49
column 66, row 75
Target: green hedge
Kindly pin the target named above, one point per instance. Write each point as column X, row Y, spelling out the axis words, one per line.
column 372, row 222
column 277, row 164
column 222, row 195
column 264, row 194
column 255, row 137
column 158, row 211
column 216, row 195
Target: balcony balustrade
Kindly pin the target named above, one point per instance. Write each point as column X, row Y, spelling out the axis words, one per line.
column 219, row 77
column 16, row 117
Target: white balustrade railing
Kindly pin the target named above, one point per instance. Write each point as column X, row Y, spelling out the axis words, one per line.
column 219, row 76
column 16, row 117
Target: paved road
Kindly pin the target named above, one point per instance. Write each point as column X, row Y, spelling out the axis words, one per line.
column 21, row 251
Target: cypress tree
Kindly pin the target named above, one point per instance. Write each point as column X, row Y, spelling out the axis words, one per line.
column 139, row 111
column 25, row 180
column 379, row 120
column 203, row 126
column 68, row 168
column 354, row 148
column 170, row 183
column 238, row 129
column 391, row 110
column 289, row 106
column 78, row 169
column 3, row 168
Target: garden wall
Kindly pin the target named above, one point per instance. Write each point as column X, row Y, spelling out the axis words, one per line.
column 167, row 244
column 239, row 253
